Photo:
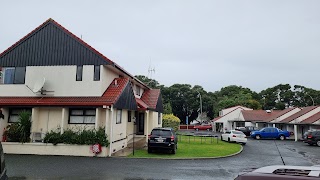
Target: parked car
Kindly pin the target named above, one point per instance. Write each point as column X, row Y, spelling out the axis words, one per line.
column 270, row 133
column 162, row 138
column 247, row 130
column 282, row 172
column 313, row 137
column 207, row 127
column 234, row 136
column 3, row 169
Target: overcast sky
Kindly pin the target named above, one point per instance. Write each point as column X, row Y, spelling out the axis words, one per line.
column 255, row 44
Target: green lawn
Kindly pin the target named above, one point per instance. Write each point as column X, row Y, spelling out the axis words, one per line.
column 194, row 147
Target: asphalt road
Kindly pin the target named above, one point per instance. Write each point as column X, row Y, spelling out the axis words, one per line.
column 257, row 153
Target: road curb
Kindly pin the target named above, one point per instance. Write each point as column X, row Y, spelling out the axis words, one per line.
column 198, row 158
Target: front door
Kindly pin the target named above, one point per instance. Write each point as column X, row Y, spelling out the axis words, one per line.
column 140, row 124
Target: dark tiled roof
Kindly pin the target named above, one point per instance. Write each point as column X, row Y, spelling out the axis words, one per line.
column 298, row 114
column 311, row 119
column 151, row 97
column 276, row 115
column 51, row 44
column 109, row 97
column 259, row 115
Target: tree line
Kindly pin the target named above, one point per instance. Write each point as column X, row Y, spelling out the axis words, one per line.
column 184, row 100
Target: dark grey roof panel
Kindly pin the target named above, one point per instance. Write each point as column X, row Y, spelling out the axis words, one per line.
column 126, row 99
column 51, row 45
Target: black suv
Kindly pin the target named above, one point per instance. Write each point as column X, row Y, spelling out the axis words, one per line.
column 313, row 137
column 162, row 138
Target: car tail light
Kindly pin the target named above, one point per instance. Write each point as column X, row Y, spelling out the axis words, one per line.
column 172, row 138
column 309, row 136
column 234, row 136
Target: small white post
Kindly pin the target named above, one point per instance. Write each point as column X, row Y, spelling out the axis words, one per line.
column 295, row 127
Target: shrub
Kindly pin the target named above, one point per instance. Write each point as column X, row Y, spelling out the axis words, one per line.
column 21, row 130
column 169, row 120
column 78, row 136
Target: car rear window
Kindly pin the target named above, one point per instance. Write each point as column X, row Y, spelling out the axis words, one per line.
column 161, row 133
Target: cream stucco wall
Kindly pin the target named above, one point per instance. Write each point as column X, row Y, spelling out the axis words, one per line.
column 48, row 119
column 61, row 80
column 4, row 122
column 119, row 134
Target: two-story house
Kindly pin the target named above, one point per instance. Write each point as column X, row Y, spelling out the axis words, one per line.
column 64, row 82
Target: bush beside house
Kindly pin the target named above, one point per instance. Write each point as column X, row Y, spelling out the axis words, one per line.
column 169, row 120
column 82, row 137
column 19, row 131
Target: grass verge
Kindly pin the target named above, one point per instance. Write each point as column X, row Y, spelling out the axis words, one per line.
column 194, row 147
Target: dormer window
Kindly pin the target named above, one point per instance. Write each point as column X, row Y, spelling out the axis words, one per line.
column 12, row 75
column 137, row 90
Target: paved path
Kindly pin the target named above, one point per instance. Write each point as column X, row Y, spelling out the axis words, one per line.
column 255, row 154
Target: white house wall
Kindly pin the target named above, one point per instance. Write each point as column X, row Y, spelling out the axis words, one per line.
column 119, row 131
column 226, row 111
column 61, row 80
column 290, row 113
column 4, row 122
column 228, row 119
column 305, row 116
column 49, row 119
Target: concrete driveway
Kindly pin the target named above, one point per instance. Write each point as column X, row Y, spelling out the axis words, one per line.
column 257, row 153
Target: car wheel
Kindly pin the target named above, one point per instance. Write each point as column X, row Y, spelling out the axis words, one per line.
column 174, row 150
column 243, row 143
column 258, row 137
column 149, row 150
column 282, row 137
column 228, row 139
column 318, row 143
column 221, row 138
column 310, row 144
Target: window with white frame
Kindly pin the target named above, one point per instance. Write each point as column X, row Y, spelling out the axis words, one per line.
column 118, row 118
column 14, row 114
column 137, row 90
column 159, row 118
column 82, row 116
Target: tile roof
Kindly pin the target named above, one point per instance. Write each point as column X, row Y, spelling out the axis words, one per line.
column 259, row 115
column 276, row 115
column 141, row 105
column 298, row 114
column 109, row 97
column 311, row 119
column 151, row 97
column 115, row 89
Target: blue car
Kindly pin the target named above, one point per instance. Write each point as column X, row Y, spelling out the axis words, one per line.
column 270, row 133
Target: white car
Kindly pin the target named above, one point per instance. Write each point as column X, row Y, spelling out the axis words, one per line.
column 234, row 136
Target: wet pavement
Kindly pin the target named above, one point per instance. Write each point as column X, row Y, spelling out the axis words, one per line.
column 257, row 153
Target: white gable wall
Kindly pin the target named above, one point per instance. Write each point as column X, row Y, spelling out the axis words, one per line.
column 290, row 113
column 305, row 116
column 61, row 80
